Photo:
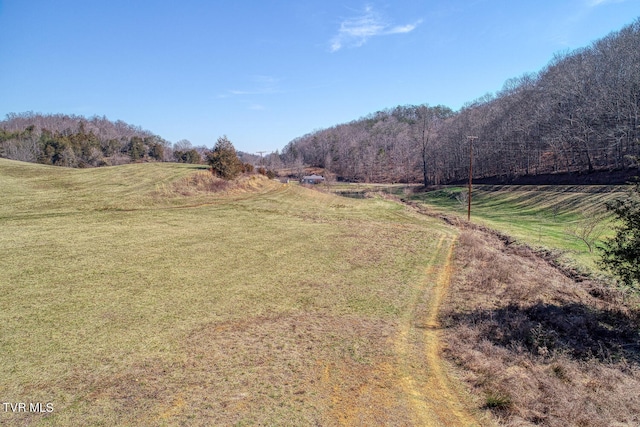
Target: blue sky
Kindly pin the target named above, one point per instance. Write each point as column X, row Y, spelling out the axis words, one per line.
column 265, row 72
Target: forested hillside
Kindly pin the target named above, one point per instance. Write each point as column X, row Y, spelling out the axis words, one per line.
column 581, row 113
column 75, row 141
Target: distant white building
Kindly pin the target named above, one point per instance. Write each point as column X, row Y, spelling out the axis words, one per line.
column 312, row 179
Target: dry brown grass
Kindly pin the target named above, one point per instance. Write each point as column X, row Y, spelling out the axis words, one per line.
column 537, row 347
column 204, row 182
column 200, row 182
column 274, row 370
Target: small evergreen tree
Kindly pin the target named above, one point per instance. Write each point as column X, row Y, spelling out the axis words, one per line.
column 621, row 253
column 223, row 159
column 136, row 148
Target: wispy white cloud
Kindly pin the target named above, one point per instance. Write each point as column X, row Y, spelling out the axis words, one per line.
column 259, row 91
column 354, row 32
column 594, row 3
column 403, row 28
column 259, row 85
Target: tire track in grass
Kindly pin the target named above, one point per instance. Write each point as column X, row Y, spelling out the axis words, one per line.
column 423, row 376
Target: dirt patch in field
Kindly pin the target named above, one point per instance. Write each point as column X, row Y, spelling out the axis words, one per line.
column 435, row 398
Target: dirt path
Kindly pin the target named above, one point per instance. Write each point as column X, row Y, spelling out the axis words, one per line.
column 432, row 398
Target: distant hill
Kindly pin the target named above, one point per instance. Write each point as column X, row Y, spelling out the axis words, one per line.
column 579, row 114
column 76, row 141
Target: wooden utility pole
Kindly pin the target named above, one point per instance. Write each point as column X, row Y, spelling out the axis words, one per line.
column 261, row 153
column 470, row 138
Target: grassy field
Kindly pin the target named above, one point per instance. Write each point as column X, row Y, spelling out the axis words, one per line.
column 131, row 295
column 547, row 216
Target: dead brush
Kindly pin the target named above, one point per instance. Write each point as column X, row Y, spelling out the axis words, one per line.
column 205, row 182
column 472, row 246
column 200, row 182
column 537, row 347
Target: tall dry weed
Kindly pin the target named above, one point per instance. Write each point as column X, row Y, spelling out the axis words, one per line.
column 201, row 183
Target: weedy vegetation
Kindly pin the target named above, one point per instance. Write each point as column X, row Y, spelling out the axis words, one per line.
column 537, row 347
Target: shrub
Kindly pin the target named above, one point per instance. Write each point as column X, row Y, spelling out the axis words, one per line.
column 224, row 160
column 497, row 400
column 187, row 156
column 621, row 253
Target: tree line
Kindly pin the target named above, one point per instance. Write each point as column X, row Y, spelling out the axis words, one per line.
column 75, row 141
column 580, row 113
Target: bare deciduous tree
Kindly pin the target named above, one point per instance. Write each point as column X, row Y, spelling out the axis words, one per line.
column 588, row 229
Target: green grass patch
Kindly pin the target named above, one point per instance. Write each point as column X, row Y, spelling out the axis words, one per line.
column 537, row 215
